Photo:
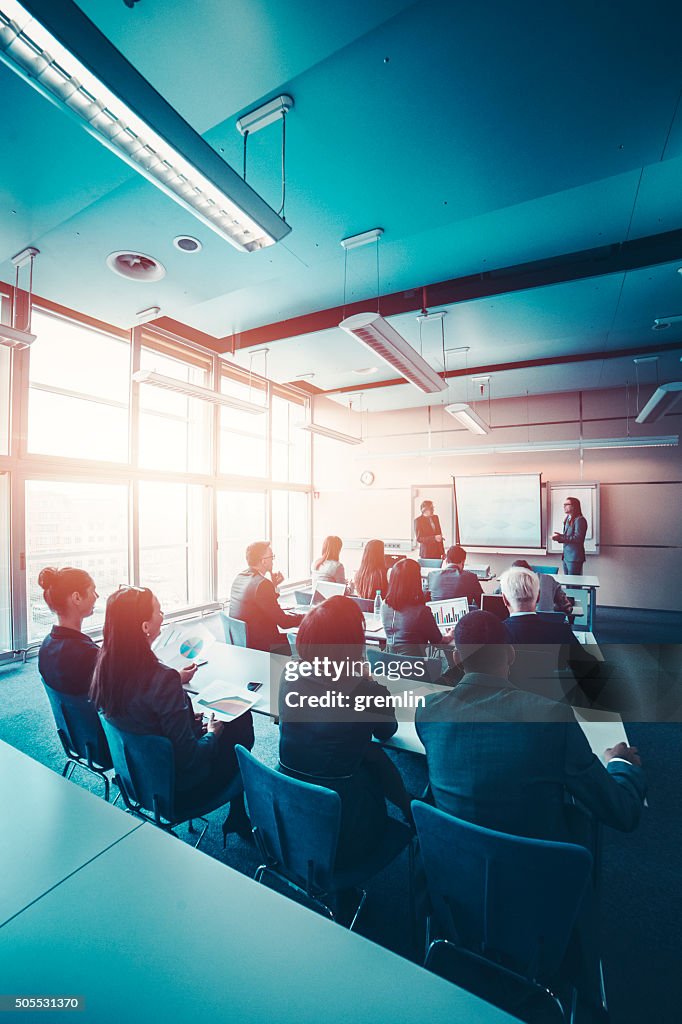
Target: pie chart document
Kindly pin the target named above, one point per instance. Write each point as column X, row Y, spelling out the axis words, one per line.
column 499, row 511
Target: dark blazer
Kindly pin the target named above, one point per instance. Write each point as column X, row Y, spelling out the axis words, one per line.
column 160, row 707
column 328, row 746
column 450, row 582
column 573, row 538
column 67, row 660
column 505, row 759
column 531, row 630
column 253, row 599
column 426, row 528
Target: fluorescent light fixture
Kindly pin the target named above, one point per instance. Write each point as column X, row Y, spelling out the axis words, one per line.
column 61, row 53
column 334, row 435
column 662, row 323
column 364, row 238
column 661, row 402
column 670, row 441
column 465, row 415
column 159, row 380
column 11, row 337
column 382, row 339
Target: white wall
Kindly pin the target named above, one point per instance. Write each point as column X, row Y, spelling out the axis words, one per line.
column 640, row 559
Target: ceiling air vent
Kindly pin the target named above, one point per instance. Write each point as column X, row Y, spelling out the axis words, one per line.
column 136, row 266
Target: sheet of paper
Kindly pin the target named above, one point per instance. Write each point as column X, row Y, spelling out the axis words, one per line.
column 224, row 700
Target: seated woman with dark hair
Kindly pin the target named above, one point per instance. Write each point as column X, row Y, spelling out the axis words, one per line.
column 138, row 694
column 67, row 655
column 407, row 620
column 333, row 746
column 371, row 576
column 327, row 567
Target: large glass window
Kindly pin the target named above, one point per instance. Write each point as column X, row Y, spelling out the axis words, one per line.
column 243, row 435
column 5, row 631
column 174, row 429
column 174, row 555
column 79, row 524
column 241, row 520
column 79, row 387
column 4, row 400
column 290, row 534
column 290, row 444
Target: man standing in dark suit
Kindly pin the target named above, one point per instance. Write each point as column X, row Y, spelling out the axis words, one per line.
column 428, row 532
column 253, row 599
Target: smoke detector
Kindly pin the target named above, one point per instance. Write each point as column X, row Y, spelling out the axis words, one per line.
column 136, row 266
column 187, row 243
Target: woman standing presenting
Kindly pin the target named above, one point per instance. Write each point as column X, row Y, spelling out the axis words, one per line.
column 573, row 537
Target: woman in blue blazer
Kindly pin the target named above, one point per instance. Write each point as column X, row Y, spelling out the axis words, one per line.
column 573, row 537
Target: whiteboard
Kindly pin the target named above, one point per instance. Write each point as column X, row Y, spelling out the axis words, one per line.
column 499, row 511
column 588, row 496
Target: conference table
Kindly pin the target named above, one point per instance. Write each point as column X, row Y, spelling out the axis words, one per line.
column 140, row 926
column 237, row 666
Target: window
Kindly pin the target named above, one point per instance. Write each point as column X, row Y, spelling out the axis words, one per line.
column 243, row 435
column 79, row 385
column 174, row 557
column 290, row 534
column 290, row 444
column 4, row 400
column 79, row 524
column 241, row 520
column 5, row 632
column 174, row 429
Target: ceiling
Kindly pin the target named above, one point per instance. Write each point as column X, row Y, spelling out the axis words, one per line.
column 481, row 138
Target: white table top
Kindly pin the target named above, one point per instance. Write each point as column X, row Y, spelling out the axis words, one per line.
column 50, row 828
column 155, row 930
column 238, row 666
column 577, row 581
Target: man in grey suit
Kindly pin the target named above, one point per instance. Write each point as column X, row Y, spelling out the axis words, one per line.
column 505, row 759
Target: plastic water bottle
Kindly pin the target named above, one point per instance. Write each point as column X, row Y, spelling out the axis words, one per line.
column 377, row 603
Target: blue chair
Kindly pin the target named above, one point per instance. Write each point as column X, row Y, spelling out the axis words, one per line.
column 145, row 776
column 424, row 670
column 80, row 734
column 504, row 908
column 296, row 826
column 235, row 630
column 430, row 563
column 546, row 570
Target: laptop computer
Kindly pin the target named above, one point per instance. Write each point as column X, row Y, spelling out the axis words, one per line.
column 448, row 613
column 325, row 589
column 495, row 603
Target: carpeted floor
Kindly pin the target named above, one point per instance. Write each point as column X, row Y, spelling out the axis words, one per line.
column 642, row 872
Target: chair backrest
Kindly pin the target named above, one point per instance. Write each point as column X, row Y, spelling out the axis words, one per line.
column 235, row 630
column 365, row 604
column 510, row 899
column 145, row 769
column 545, row 570
column 296, row 823
column 430, row 563
column 420, row 669
column 552, row 616
column 79, row 728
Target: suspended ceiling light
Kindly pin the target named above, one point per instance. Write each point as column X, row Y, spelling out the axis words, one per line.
column 382, row 339
column 670, row 441
column 661, row 402
column 334, row 435
column 180, row 387
column 12, row 336
column 60, row 52
column 470, row 419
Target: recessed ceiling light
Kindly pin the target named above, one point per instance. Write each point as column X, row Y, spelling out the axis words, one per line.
column 662, row 323
column 186, row 243
column 136, row 266
column 366, row 371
